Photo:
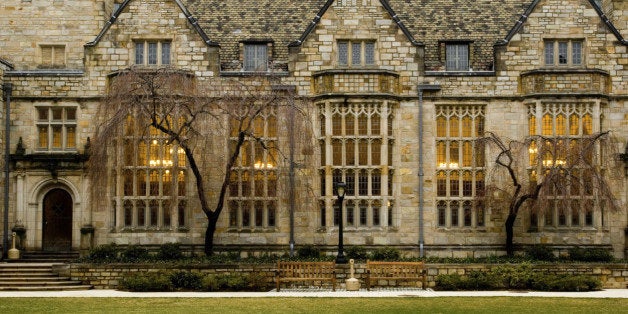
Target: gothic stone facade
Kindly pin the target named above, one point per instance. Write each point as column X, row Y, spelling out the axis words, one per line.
column 367, row 67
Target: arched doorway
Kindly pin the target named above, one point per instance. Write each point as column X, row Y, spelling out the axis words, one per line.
column 57, row 221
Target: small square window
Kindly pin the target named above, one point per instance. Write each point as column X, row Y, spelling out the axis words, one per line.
column 457, row 56
column 52, row 56
column 356, row 53
column 255, row 57
column 152, row 52
column 563, row 52
column 56, row 128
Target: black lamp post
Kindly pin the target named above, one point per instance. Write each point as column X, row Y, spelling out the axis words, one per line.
column 340, row 189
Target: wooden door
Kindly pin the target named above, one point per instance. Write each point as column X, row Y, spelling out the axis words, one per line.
column 57, row 221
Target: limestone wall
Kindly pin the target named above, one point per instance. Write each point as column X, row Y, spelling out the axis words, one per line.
column 613, row 276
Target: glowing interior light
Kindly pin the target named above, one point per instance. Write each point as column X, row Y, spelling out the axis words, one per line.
column 261, row 165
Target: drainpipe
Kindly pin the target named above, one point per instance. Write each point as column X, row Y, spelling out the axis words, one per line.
column 421, row 88
column 291, row 176
column 7, row 90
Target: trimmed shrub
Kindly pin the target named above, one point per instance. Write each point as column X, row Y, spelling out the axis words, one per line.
column 308, row 251
column 512, row 277
column 385, row 254
column 450, row 282
column 564, row 282
column 185, row 280
column 232, row 282
column 356, row 252
column 145, row 282
column 135, row 253
column 590, row 255
column 210, row 283
column 170, row 251
column 257, row 282
column 104, row 253
column 481, row 280
column 540, row 253
column 517, row 277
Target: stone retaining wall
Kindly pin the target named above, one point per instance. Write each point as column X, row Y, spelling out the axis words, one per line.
column 108, row 276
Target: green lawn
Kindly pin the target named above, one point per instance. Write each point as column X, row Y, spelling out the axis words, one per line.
column 494, row 305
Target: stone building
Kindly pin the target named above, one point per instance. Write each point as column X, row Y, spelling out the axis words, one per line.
column 399, row 90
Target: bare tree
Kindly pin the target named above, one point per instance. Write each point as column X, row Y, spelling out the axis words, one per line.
column 198, row 116
column 542, row 170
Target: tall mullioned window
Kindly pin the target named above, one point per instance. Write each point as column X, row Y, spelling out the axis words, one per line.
column 564, row 126
column 153, row 181
column 356, row 148
column 253, row 182
column 56, row 128
column 460, row 166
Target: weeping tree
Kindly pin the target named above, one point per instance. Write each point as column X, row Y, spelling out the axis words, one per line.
column 542, row 172
column 200, row 117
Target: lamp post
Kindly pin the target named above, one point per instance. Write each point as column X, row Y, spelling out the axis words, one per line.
column 340, row 189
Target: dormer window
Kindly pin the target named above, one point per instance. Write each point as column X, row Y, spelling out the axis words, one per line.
column 255, row 57
column 152, row 52
column 356, row 53
column 563, row 52
column 457, row 56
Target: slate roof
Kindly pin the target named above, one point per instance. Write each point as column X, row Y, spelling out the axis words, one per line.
column 484, row 22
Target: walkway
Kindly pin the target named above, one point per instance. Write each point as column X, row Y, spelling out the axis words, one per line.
column 288, row 293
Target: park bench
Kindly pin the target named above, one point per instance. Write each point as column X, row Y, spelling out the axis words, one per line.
column 397, row 271
column 315, row 272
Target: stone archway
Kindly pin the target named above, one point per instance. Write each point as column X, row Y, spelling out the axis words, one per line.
column 57, row 220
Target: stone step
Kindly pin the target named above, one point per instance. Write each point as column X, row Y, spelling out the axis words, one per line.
column 26, row 276
column 4, row 276
column 47, row 288
column 46, row 257
column 44, row 283
column 32, row 279
column 23, row 265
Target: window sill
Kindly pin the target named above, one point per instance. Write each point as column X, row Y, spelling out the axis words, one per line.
column 149, row 230
column 353, row 229
column 252, row 230
column 564, row 229
column 459, row 73
column 462, row 229
column 253, row 73
column 45, row 72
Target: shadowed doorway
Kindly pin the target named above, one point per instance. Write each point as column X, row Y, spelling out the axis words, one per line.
column 57, row 221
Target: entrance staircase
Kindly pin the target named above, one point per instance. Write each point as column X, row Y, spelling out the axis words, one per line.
column 47, row 257
column 39, row 271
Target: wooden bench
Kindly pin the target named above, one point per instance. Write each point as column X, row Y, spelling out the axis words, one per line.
column 398, row 271
column 316, row 272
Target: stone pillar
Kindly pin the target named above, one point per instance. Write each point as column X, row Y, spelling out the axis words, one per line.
column 87, row 239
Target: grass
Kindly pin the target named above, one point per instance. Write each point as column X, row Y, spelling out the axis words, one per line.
column 313, row 305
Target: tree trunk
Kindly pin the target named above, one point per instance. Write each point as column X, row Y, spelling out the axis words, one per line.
column 209, row 236
column 510, row 223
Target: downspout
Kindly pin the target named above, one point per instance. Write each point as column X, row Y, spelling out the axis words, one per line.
column 291, row 177
column 421, row 88
column 7, row 89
